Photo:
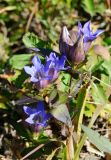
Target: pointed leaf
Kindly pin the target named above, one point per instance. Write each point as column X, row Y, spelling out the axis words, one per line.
column 88, row 6
column 50, row 157
column 98, row 94
column 102, row 143
column 19, row 61
column 107, row 67
column 32, row 41
column 61, row 113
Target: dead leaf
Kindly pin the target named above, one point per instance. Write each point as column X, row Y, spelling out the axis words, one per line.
column 102, row 51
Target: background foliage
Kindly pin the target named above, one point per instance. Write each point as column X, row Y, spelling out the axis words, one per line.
column 45, row 18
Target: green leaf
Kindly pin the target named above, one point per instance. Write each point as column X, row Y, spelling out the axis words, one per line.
column 61, row 113
column 53, row 95
column 88, row 6
column 98, row 94
column 63, row 86
column 94, row 62
column 108, row 40
column 50, row 157
column 89, row 110
column 62, row 154
column 107, row 67
column 19, row 61
column 102, row 143
column 61, row 98
column 81, row 97
column 31, row 40
column 2, row 106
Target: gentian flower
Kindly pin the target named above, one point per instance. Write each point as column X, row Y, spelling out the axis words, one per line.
column 75, row 45
column 37, row 116
column 88, row 35
column 42, row 75
column 71, row 46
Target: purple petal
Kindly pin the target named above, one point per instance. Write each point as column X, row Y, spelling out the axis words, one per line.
column 47, row 116
column 90, row 38
column 40, row 107
column 44, row 83
column 79, row 25
column 79, row 30
column 51, row 72
column 65, row 33
column 52, row 57
column 33, row 79
column 29, row 70
column 98, row 32
column 30, row 119
column 87, row 29
column 27, row 110
column 42, row 124
column 87, row 46
column 37, row 63
column 46, row 68
column 66, row 37
column 61, row 62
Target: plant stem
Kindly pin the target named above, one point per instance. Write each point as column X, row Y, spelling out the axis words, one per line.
column 93, row 119
column 101, row 81
column 70, row 145
column 81, row 116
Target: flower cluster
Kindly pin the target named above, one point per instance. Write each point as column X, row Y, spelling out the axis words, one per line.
column 43, row 75
column 76, row 45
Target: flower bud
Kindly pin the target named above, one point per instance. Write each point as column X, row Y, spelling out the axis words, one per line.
column 76, row 45
column 65, row 41
column 77, row 54
column 72, row 46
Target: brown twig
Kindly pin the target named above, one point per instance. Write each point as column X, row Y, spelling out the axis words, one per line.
column 31, row 152
column 31, row 16
column 9, row 8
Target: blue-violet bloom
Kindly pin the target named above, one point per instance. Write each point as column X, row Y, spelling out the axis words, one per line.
column 88, row 35
column 43, row 75
column 76, row 44
column 37, row 116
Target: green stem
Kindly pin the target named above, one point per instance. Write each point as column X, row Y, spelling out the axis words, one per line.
column 81, row 116
column 101, row 81
column 93, row 119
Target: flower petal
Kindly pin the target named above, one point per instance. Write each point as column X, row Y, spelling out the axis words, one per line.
column 29, row 70
column 30, row 119
column 27, row 110
column 61, row 62
column 52, row 57
column 40, row 107
column 79, row 30
column 33, row 79
column 98, row 32
column 47, row 66
column 87, row 29
column 47, row 116
column 37, row 63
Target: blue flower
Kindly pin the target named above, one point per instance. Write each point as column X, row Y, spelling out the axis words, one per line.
column 88, row 35
column 75, row 44
column 43, row 75
column 37, row 116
